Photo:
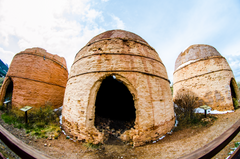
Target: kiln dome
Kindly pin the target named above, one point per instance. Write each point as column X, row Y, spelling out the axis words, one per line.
column 117, row 34
column 194, row 53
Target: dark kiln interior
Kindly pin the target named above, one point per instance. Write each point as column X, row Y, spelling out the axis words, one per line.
column 114, row 106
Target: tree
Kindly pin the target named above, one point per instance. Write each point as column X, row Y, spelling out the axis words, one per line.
column 1, row 81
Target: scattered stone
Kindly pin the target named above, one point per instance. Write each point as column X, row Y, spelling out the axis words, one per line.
column 206, row 119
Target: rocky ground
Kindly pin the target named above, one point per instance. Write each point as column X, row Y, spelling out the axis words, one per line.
column 172, row 146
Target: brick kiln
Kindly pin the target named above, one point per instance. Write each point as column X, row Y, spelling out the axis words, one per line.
column 118, row 86
column 35, row 78
column 201, row 70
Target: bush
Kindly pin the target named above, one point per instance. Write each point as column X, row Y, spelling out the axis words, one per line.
column 43, row 116
column 186, row 103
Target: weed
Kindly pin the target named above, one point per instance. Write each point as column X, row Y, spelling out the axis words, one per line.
column 39, row 124
column 237, row 144
column 91, row 145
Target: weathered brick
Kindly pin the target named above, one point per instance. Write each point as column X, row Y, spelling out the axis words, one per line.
column 39, row 78
column 137, row 65
column 201, row 70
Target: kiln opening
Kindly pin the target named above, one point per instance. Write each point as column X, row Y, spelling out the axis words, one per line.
column 115, row 111
column 235, row 97
column 9, row 91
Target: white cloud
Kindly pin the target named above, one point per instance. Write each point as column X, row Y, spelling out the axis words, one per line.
column 6, row 56
column 118, row 23
column 93, row 14
column 61, row 27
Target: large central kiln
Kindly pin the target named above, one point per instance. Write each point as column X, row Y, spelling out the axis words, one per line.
column 118, row 78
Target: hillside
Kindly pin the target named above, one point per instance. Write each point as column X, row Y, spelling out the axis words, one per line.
column 3, row 69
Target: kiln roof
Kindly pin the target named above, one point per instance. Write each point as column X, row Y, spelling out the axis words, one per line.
column 42, row 52
column 117, row 34
column 195, row 52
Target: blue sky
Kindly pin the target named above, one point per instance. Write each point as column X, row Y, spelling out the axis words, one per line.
column 63, row 27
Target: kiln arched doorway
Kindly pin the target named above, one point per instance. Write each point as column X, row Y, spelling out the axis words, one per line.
column 7, row 90
column 234, row 92
column 114, row 107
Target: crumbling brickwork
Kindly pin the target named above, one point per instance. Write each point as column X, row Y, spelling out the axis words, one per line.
column 133, row 62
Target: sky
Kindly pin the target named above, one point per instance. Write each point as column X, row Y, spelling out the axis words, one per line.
column 63, row 27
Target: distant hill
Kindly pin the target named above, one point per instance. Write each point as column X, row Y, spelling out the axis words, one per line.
column 3, row 69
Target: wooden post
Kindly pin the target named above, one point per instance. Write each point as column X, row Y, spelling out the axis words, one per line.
column 26, row 119
column 25, row 109
column 205, row 108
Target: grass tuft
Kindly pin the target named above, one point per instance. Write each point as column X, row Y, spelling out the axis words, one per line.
column 91, row 145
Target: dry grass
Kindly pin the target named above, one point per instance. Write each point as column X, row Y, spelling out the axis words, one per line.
column 42, row 123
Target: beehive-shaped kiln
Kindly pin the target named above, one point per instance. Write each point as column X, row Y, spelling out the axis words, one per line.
column 118, row 78
column 201, row 70
column 35, row 78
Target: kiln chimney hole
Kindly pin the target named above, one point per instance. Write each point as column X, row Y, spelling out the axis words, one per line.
column 115, row 109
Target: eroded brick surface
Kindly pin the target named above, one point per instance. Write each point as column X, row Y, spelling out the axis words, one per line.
column 132, row 61
column 201, row 70
column 39, row 79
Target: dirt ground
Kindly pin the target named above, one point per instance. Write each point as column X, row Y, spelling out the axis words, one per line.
column 172, row 146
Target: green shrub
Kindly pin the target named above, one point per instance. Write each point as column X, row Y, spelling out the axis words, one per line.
column 91, row 145
column 9, row 119
column 186, row 104
column 39, row 124
column 237, row 144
